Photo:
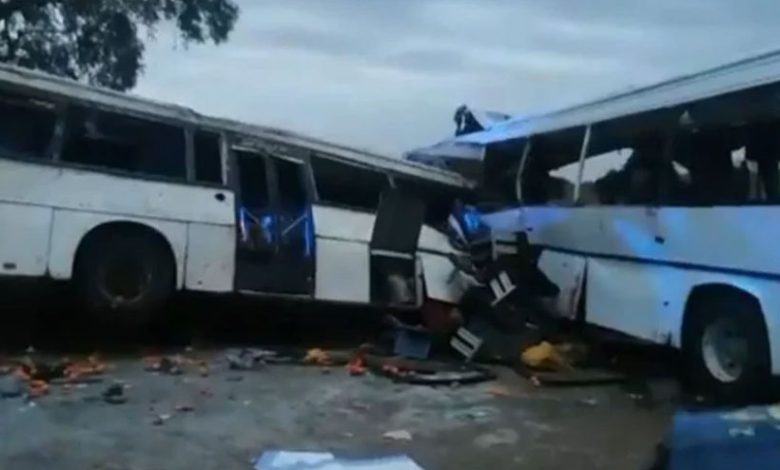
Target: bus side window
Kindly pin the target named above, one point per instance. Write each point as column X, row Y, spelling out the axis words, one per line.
column 118, row 142
column 347, row 185
column 208, row 158
column 541, row 185
column 604, row 178
column 26, row 126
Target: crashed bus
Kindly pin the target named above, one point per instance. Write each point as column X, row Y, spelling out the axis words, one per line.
column 133, row 200
column 656, row 213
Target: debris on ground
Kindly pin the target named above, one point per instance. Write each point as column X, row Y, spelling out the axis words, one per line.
column 434, row 373
column 546, row 356
column 318, row 357
column 499, row 437
column 249, row 358
column 35, row 376
column 76, row 370
column 11, row 386
column 37, row 388
column 289, row 460
column 399, row 435
column 588, row 401
column 114, row 394
column 160, row 419
column 170, row 365
column 412, row 342
column 500, row 391
column 356, row 366
column 185, row 408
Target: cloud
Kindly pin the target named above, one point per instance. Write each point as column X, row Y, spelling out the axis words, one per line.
column 387, row 75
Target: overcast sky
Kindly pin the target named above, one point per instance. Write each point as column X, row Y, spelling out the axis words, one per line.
column 387, row 74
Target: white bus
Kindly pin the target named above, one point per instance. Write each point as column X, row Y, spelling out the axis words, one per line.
column 657, row 214
column 133, row 200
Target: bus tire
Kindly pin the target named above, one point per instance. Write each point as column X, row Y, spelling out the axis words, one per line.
column 125, row 275
column 726, row 347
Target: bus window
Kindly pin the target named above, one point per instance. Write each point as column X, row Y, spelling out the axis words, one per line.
column 603, row 178
column 26, row 126
column 347, row 185
column 638, row 171
column 541, row 185
column 208, row 158
column 117, row 142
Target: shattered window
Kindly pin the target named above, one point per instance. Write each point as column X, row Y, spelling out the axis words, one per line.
column 208, row 157
column 729, row 165
column 347, row 185
column 26, row 126
column 541, row 185
column 603, row 178
column 118, row 142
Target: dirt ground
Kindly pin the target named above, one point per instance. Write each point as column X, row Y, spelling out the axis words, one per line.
column 236, row 415
column 295, row 407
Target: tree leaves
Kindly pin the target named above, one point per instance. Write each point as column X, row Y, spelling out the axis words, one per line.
column 98, row 40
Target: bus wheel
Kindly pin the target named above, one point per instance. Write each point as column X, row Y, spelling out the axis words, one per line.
column 726, row 347
column 125, row 275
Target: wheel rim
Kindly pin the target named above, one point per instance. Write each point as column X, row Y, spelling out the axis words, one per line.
column 725, row 349
column 124, row 279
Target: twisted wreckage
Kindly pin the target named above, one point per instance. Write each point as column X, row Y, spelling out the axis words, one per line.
column 647, row 212
column 654, row 211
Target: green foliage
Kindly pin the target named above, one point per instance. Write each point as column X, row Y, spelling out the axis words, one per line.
column 99, row 40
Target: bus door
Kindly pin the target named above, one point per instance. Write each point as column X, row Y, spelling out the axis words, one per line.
column 275, row 234
column 396, row 277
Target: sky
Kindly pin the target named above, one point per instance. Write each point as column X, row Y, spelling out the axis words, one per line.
column 387, row 75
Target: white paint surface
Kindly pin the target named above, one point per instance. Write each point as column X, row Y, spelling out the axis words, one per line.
column 442, row 281
column 24, row 239
column 648, row 300
column 210, row 258
column 81, row 190
column 567, row 272
column 343, row 271
column 45, row 212
column 346, row 224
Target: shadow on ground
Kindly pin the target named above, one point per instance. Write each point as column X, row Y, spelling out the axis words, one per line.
column 47, row 317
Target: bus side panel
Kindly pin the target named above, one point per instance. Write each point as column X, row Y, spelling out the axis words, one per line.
column 643, row 300
column 24, row 239
column 211, row 253
column 442, row 281
column 76, row 189
column 343, row 259
column 343, row 272
column 70, row 227
column 567, row 271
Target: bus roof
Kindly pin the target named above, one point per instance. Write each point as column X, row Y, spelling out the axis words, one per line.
column 762, row 69
column 52, row 86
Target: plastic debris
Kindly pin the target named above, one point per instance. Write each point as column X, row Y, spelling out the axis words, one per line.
column 164, row 365
column 248, row 358
column 115, row 394
column 289, row 460
column 317, row 356
column 160, row 419
column 356, row 366
column 399, row 435
column 545, row 356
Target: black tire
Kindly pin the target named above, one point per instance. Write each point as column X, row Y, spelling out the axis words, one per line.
column 124, row 275
column 709, row 373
